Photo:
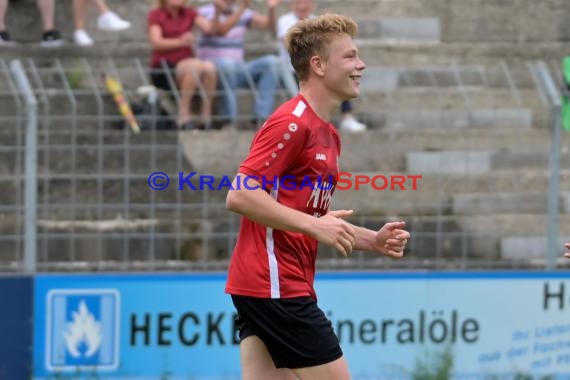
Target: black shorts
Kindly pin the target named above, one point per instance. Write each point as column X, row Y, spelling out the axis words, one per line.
column 295, row 331
column 159, row 76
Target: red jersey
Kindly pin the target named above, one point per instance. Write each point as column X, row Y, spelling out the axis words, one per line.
column 302, row 150
column 172, row 27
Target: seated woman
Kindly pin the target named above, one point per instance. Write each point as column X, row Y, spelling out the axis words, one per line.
column 170, row 26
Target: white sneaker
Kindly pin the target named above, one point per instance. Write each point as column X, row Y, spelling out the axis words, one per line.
column 81, row 38
column 350, row 124
column 110, row 22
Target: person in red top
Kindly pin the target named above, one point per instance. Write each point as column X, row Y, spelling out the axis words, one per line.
column 170, row 26
column 283, row 191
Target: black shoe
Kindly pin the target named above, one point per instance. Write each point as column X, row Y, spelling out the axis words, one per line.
column 5, row 39
column 51, row 38
column 188, row 126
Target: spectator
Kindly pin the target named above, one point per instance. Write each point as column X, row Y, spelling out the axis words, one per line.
column 170, row 27
column 302, row 9
column 108, row 21
column 567, row 254
column 50, row 38
column 228, row 52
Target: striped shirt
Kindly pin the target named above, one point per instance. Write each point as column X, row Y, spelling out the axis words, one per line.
column 231, row 45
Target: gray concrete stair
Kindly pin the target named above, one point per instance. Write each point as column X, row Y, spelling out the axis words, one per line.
column 376, row 150
column 462, row 241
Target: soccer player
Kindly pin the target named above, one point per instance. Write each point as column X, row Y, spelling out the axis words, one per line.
column 283, row 332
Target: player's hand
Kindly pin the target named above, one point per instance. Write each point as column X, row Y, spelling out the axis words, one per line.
column 331, row 230
column 392, row 239
column 567, row 254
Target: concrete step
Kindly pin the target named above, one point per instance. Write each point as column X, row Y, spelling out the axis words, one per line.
column 222, row 151
column 455, row 242
column 446, row 98
column 375, row 52
column 86, row 70
column 465, row 77
column 461, row 20
column 462, row 241
column 90, row 161
column 431, row 107
column 478, row 162
column 502, row 202
column 506, row 191
column 530, row 247
column 490, row 118
column 121, row 243
column 401, row 30
column 85, row 196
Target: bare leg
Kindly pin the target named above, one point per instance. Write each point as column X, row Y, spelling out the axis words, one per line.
column 79, row 10
column 47, row 9
column 336, row 370
column 3, row 7
column 256, row 363
column 101, row 6
column 185, row 77
column 209, row 79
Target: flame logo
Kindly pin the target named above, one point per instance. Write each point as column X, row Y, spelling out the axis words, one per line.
column 83, row 331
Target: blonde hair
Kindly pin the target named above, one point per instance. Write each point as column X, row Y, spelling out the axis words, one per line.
column 312, row 36
column 162, row 3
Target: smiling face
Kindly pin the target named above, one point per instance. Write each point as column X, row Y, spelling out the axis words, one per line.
column 342, row 68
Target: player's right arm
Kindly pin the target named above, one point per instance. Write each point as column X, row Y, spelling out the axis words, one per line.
column 257, row 205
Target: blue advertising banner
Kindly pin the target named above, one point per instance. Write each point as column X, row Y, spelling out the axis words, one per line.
column 16, row 327
column 182, row 326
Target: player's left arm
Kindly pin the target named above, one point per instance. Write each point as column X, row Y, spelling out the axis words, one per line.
column 390, row 240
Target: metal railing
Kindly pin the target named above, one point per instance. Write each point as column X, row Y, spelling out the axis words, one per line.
column 94, row 210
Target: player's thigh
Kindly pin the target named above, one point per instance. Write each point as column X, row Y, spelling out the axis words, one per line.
column 256, row 363
column 335, row 370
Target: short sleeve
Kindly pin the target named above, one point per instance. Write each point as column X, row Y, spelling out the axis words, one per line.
column 275, row 148
column 284, row 23
column 247, row 17
column 153, row 18
column 192, row 14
